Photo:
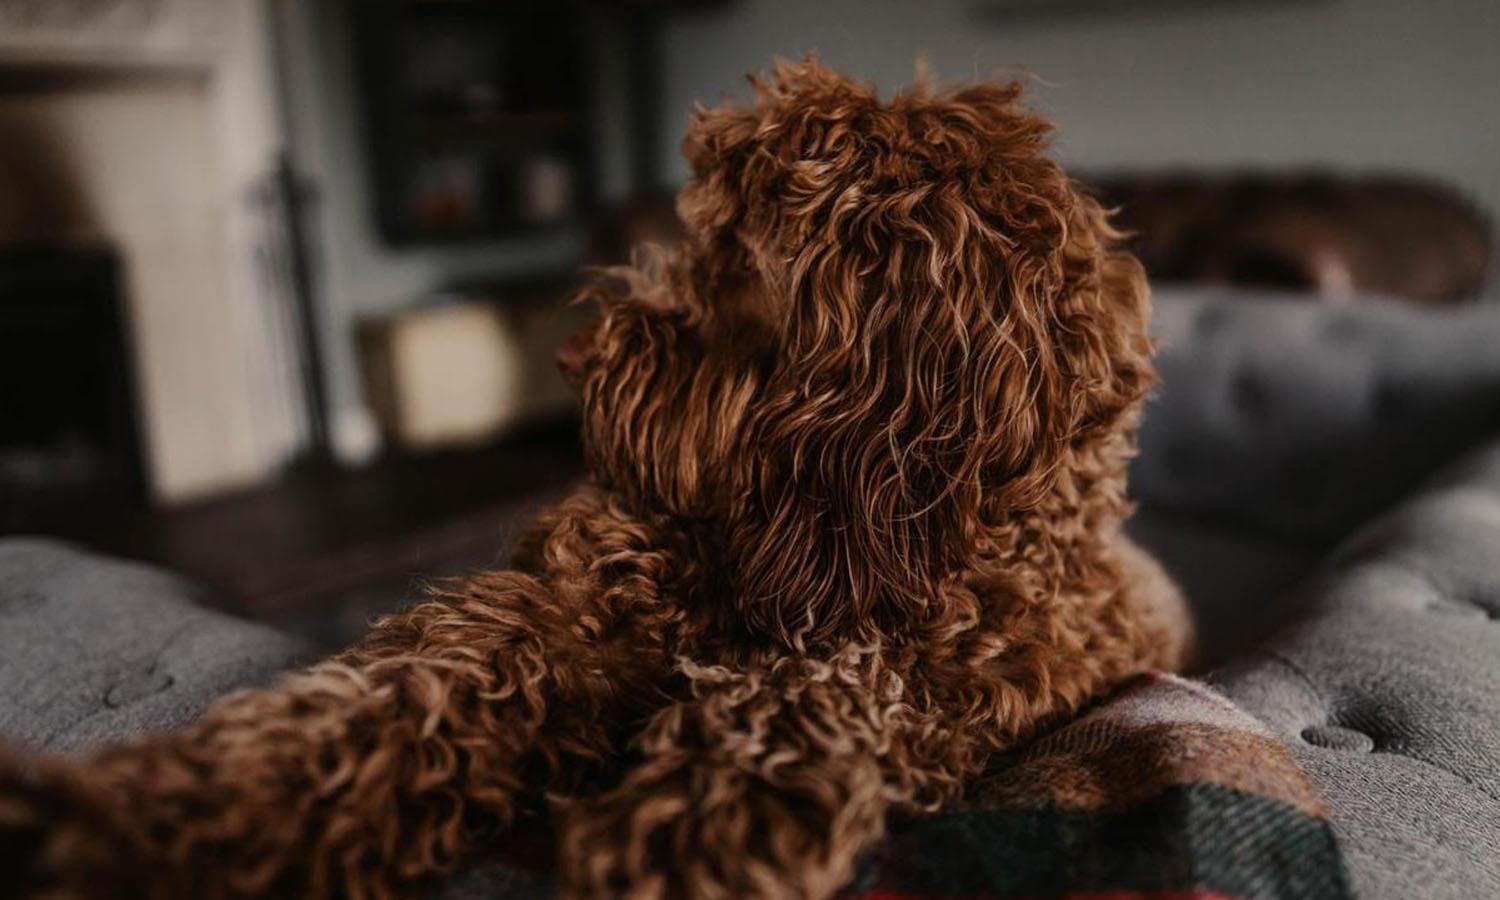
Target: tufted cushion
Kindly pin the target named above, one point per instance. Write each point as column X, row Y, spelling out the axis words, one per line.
column 1303, row 419
column 94, row 648
column 1237, row 583
column 1388, row 692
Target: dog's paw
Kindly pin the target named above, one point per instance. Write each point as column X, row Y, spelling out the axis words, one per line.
column 651, row 838
column 23, row 830
column 54, row 840
column 681, row 826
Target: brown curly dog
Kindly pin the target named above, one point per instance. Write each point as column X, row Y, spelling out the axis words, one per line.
column 858, row 450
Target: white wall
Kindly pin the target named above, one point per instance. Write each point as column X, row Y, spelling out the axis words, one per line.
column 137, row 160
column 1409, row 84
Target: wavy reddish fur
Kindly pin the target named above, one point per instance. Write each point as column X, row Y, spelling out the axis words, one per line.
column 858, row 449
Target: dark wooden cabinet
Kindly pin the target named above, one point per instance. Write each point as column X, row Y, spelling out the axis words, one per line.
column 479, row 115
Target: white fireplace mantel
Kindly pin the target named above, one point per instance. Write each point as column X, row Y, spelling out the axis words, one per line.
column 114, row 32
column 171, row 166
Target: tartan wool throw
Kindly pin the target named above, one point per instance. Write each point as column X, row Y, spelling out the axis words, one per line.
column 1164, row 791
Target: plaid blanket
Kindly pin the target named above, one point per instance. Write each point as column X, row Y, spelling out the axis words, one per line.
column 1163, row 791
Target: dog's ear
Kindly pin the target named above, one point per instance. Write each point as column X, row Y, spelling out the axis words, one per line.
column 717, row 145
column 956, row 325
column 745, row 160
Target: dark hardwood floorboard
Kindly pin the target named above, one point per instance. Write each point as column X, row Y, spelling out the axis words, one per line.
column 303, row 548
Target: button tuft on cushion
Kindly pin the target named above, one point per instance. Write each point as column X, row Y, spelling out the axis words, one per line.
column 20, row 602
column 136, row 687
column 1335, row 737
column 1249, row 395
column 1345, row 329
column 1211, row 317
column 1388, row 401
column 1459, row 608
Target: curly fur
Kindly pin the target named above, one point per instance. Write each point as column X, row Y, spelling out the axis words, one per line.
column 858, row 449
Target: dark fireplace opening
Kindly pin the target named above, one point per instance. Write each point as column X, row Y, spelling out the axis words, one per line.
column 69, row 440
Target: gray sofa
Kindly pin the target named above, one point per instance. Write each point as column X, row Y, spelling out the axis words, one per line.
column 1346, row 582
column 1377, row 659
column 93, row 648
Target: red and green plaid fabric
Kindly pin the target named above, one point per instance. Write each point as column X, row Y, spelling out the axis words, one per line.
column 1166, row 791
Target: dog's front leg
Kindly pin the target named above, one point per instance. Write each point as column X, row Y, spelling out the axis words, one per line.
column 767, row 783
column 367, row 774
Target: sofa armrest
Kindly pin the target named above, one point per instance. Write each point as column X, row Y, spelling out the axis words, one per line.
column 94, row 648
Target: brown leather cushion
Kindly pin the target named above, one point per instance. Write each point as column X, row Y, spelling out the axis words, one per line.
column 1328, row 234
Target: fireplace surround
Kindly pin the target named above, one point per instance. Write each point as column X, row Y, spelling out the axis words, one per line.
column 69, row 438
column 152, row 128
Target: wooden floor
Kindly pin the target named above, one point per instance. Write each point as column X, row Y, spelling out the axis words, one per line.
column 303, row 549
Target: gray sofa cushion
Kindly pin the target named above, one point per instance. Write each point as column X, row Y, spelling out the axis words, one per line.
column 1389, row 692
column 94, row 648
column 1303, row 419
column 1238, row 583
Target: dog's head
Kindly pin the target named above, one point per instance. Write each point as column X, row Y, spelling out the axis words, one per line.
column 890, row 325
